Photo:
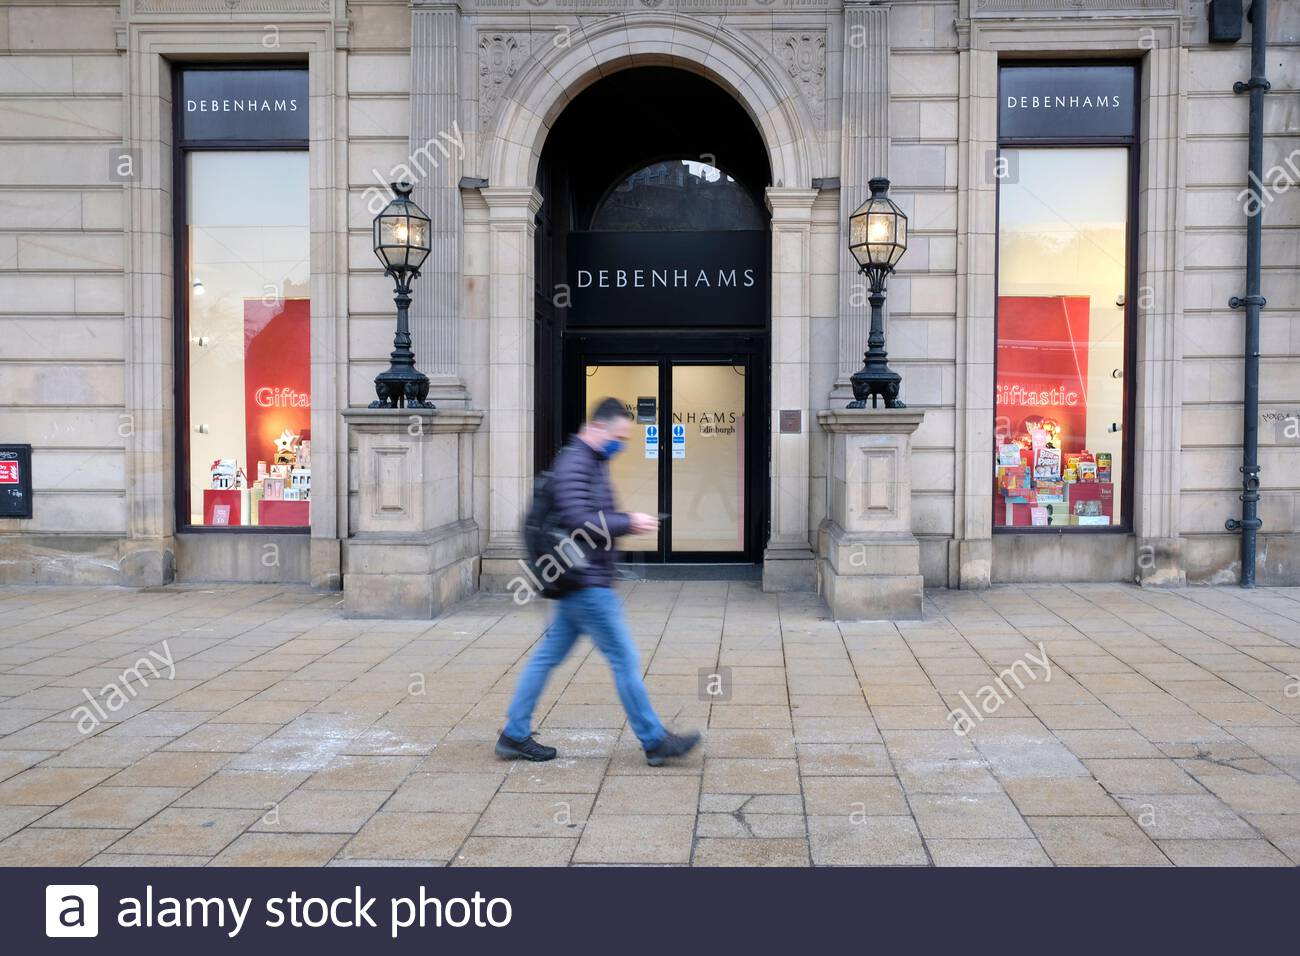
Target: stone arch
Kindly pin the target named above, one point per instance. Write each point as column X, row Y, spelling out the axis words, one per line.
column 537, row 85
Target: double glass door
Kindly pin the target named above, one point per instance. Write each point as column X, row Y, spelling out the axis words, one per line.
column 689, row 457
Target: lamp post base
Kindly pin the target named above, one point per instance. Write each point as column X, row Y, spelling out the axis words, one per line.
column 402, row 387
column 875, row 380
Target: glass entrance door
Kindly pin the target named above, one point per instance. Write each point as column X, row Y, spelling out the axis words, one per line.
column 707, row 459
column 689, row 456
column 635, row 472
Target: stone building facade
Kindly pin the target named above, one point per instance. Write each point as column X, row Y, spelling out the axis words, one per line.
column 461, row 97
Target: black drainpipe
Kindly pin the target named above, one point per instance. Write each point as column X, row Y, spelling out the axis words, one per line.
column 1249, row 523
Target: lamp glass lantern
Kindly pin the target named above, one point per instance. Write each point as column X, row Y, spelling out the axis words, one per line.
column 402, row 235
column 877, row 240
column 878, row 230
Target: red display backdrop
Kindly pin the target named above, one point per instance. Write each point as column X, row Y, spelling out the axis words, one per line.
column 277, row 375
column 1043, row 365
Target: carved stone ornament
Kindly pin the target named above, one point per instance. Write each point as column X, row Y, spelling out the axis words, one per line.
column 499, row 56
column 804, row 57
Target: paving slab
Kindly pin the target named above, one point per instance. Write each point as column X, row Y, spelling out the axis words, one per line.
column 290, row 735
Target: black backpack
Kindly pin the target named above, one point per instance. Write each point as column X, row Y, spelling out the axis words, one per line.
column 544, row 533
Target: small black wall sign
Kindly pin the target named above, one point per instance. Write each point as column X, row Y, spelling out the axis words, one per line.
column 244, row 106
column 15, row 481
column 668, row 279
column 1066, row 102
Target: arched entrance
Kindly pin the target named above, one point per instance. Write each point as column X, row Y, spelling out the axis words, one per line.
column 652, row 285
column 534, row 92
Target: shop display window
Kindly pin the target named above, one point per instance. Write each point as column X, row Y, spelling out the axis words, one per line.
column 1062, row 401
column 248, row 344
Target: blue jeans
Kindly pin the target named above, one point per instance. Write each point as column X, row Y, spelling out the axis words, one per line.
column 594, row 611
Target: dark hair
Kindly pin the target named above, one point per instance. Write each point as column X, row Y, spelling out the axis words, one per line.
column 608, row 410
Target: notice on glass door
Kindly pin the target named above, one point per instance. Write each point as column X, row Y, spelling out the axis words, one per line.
column 651, row 442
column 679, row 441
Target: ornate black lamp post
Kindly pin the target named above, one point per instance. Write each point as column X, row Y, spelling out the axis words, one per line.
column 877, row 239
column 401, row 234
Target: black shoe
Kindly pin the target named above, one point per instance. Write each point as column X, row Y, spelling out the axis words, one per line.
column 672, row 746
column 526, row 749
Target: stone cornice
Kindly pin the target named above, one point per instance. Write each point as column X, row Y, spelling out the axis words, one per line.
column 1048, row 8
column 231, row 8
column 616, row 7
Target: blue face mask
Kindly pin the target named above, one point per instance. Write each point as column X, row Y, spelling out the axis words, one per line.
column 613, row 447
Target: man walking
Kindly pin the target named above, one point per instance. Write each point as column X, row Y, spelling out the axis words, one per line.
column 581, row 494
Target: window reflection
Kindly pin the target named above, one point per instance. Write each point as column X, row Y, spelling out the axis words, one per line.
column 249, row 374
column 1060, row 400
column 678, row 194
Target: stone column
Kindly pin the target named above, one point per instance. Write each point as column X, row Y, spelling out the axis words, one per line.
column 864, row 153
column 437, row 151
column 869, row 562
column 788, row 562
column 512, row 215
column 413, row 550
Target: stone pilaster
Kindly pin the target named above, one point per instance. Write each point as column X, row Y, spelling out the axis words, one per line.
column 1158, row 313
column 512, row 217
column 864, row 153
column 147, row 424
column 437, row 150
column 971, row 559
column 788, row 562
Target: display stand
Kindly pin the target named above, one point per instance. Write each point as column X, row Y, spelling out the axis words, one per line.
column 869, row 562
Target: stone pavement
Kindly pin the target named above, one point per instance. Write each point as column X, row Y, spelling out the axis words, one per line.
column 1162, row 730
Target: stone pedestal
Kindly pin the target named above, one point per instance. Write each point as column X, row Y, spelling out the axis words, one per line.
column 413, row 546
column 869, row 562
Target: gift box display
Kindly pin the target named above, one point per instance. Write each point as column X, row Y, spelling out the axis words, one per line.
column 279, row 497
column 1038, row 485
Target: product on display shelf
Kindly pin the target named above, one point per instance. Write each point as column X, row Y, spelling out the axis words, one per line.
column 273, row 488
column 1047, row 464
column 1050, row 492
column 1104, row 466
column 225, row 473
column 1012, row 479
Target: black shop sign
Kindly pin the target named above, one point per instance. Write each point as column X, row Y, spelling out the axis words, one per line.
column 238, row 106
column 667, row 279
column 1067, row 103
